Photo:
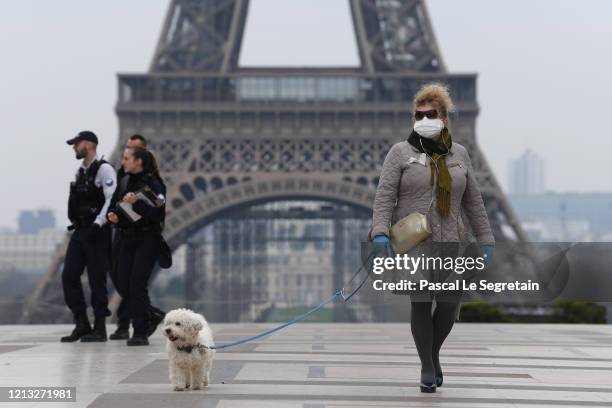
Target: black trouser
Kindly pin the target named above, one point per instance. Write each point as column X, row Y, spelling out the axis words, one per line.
column 123, row 314
column 136, row 259
column 122, row 310
column 82, row 253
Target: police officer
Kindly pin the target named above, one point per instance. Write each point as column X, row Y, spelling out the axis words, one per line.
column 156, row 315
column 140, row 237
column 90, row 197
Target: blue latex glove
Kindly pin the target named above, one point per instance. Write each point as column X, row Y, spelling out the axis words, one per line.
column 382, row 246
column 487, row 253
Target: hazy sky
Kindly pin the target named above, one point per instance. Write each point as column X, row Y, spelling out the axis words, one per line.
column 545, row 75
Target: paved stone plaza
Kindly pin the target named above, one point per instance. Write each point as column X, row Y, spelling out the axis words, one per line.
column 326, row 365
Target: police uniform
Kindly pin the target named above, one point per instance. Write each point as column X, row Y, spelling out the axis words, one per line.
column 156, row 315
column 138, row 249
column 89, row 200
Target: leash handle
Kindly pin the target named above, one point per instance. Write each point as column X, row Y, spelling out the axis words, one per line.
column 363, row 281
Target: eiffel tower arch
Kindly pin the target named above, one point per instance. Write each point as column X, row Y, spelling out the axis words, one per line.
column 229, row 138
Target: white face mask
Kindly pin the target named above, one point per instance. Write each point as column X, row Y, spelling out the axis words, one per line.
column 429, row 128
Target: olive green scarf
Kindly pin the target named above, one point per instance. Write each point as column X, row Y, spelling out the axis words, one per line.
column 437, row 151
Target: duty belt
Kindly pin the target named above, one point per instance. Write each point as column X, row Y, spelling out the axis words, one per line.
column 79, row 225
column 137, row 233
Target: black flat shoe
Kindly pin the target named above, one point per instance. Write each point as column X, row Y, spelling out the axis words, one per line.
column 439, row 379
column 120, row 334
column 138, row 340
column 428, row 388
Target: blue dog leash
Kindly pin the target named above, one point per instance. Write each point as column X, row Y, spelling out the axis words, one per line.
column 337, row 293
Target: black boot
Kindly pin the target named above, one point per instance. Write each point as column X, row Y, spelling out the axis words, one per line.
column 138, row 339
column 99, row 331
column 156, row 316
column 122, row 332
column 82, row 328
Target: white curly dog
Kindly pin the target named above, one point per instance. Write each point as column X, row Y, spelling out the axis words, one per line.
column 188, row 337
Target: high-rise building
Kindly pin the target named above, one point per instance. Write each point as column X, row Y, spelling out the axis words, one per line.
column 527, row 174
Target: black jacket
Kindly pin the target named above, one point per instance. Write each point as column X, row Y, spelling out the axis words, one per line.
column 152, row 217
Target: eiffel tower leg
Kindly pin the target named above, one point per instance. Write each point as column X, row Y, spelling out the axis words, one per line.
column 191, row 275
column 339, row 259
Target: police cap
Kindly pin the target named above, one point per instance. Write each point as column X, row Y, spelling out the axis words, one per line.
column 83, row 135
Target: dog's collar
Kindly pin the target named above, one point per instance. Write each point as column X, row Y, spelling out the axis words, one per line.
column 188, row 349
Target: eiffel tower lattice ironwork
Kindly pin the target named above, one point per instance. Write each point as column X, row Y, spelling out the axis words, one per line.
column 229, row 137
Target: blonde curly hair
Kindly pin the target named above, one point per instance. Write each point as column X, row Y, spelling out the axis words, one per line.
column 437, row 95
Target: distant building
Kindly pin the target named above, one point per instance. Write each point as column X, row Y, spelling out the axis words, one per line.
column 33, row 221
column 565, row 216
column 300, row 278
column 527, row 174
column 29, row 253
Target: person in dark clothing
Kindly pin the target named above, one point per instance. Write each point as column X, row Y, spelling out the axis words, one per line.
column 90, row 196
column 140, row 232
column 156, row 315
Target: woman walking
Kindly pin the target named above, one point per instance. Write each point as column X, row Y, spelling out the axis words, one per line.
column 432, row 175
column 140, row 236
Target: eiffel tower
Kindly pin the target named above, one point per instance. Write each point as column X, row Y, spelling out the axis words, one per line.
column 229, row 138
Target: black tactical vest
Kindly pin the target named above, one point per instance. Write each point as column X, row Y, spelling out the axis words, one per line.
column 86, row 199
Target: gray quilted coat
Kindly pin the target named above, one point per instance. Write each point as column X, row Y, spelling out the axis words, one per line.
column 405, row 187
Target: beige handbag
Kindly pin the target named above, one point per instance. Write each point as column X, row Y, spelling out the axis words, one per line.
column 410, row 230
